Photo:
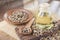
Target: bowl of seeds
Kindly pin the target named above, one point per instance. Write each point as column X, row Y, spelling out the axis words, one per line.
column 19, row 16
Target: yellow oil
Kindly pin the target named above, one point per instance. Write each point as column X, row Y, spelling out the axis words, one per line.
column 45, row 19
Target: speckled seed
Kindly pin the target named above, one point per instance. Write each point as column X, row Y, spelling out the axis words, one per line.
column 26, row 30
column 35, row 32
column 18, row 16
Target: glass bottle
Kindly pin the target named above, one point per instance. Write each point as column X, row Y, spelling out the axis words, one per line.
column 43, row 17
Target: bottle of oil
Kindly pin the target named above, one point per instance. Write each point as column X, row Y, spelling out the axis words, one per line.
column 43, row 17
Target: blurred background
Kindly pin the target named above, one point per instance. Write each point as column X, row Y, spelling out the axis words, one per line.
column 10, row 4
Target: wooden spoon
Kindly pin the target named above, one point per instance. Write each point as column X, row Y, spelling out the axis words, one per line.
column 27, row 28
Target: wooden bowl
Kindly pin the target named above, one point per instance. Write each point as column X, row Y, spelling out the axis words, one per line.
column 28, row 13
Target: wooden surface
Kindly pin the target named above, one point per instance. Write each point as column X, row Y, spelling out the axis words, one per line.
column 4, row 36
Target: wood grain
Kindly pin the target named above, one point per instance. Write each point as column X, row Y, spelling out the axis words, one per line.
column 4, row 36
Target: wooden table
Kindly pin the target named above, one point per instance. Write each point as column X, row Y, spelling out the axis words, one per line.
column 4, row 36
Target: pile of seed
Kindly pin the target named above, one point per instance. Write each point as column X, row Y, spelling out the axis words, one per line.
column 47, row 34
column 26, row 30
column 37, row 30
column 51, row 37
column 18, row 16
